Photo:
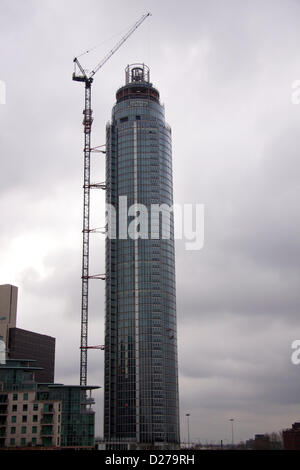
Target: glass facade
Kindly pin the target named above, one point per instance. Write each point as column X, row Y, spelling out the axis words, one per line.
column 141, row 383
column 77, row 417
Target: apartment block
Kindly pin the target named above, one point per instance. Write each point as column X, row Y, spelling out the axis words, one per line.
column 39, row 415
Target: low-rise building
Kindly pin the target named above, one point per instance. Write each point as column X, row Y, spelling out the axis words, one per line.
column 291, row 437
column 261, row 442
column 49, row 415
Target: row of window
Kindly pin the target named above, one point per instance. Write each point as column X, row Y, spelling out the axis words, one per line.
column 143, row 125
column 25, row 407
column 145, row 247
column 149, row 245
column 144, row 141
column 24, row 430
column 148, row 268
column 146, row 168
column 16, row 396
column 144, row 132
column 150, row 158
column 124, row 332
column 150, row 276
column 145, row 156
column 145, row 181
column 146, row 190
column 24, row 418
column 23, row 441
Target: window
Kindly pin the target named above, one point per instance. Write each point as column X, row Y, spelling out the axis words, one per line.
column 24, row 419
column 13, row 430
column 13, row 419
column 35, row 406
column 14, row 407
column 34, row 429
column 33, row 440
column 35, row 418
column 25, row 396
column 23, row 441
column 12, row 441
column 25, row 407
column 48, row 407
column 23, row 429
column 15, row 396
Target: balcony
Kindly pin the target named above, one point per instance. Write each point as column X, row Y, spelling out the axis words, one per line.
column 47, row 418
column 47, row 441
column 87, row 411
column 48, row 409
column 47, row 431
column 88, row 401
column 3, row 410
column 3, row 398
column 3, row 420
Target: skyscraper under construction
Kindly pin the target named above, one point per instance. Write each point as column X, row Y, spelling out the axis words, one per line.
column 141, row 373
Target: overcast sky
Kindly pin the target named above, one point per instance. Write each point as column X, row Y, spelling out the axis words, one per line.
column 225, row 72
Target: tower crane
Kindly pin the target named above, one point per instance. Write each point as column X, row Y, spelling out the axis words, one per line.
column 80, row 75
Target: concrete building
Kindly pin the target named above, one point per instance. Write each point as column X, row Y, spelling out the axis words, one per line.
column 41, row 348
column 141, row 384
column 291, row 437
column 261, row 442
column 43, row 415
column 19, row 343
column 8, row 310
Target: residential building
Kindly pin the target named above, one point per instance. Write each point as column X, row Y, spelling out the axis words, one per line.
column 141, row 379
column 43, row 415
column 261, row 442
column 291, row 437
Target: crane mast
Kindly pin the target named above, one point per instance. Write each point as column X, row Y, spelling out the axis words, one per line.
column 87, row 79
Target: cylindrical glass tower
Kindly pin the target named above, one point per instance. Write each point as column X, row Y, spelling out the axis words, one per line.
column 141, row 378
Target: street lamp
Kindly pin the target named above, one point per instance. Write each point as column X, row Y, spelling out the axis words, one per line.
column 188, row 426
column 232, row 421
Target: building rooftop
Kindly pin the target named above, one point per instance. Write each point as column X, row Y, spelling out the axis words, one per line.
column 20, row 364
column 83, row 387
column 137, row 84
